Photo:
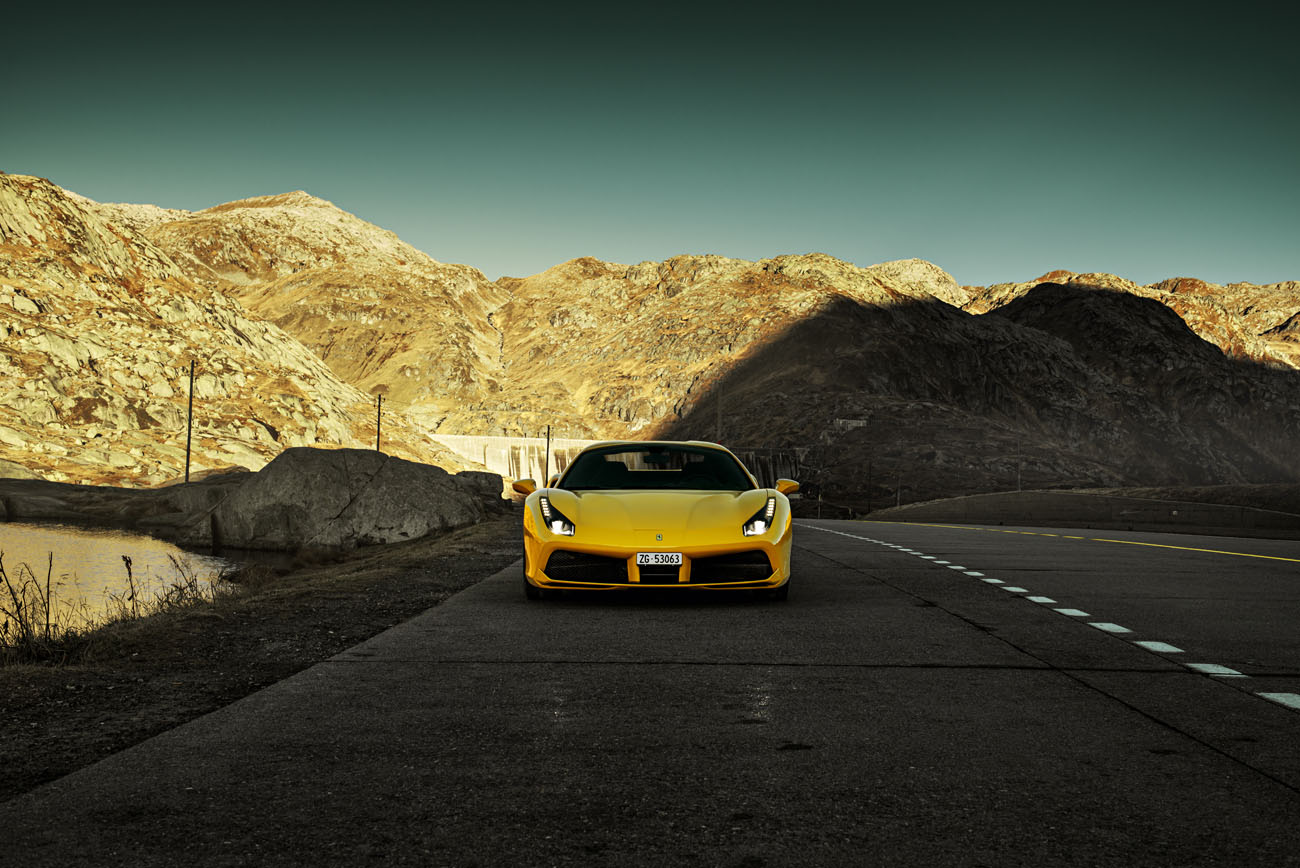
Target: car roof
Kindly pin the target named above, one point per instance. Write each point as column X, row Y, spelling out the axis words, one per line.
column 704, row 443
column 697, row 443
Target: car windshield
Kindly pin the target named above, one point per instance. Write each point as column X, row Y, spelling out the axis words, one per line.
column 656, row 466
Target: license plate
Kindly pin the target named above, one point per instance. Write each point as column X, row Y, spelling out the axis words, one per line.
column 654, row 559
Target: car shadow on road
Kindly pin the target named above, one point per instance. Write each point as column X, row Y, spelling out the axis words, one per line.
column 692, row 599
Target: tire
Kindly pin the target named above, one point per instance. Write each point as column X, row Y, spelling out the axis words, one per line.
column 531, row 591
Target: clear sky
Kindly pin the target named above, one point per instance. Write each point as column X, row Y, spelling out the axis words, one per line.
column 998, row 141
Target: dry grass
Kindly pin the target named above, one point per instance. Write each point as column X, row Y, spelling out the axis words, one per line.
column 32, row 628
column 37, row 627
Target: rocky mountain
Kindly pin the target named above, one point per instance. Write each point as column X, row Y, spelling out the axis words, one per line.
column 610, row 350
column 885, row 379
column 891, row 381
column 384, row 316
column 98, row 326
column 1244, row 320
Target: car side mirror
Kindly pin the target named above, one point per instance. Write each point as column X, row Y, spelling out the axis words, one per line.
column 525, row 486
column 786, row 486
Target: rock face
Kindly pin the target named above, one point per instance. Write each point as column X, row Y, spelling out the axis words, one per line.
column 98, row 327
column 342, row 498
column 12, row 470
column 384, row 316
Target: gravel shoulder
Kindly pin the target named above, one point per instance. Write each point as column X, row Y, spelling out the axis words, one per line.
column 152, row 675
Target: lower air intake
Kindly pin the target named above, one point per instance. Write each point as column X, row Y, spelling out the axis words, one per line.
column 739, row 567
column 660, row 575
column 565, row 566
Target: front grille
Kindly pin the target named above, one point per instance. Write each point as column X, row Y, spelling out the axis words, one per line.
column 565, row 566
column 660, row 574
column 738, row 567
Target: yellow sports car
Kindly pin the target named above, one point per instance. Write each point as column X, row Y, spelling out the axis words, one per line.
column 662, row 515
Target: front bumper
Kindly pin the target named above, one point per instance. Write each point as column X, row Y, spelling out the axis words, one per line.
column 750, row 564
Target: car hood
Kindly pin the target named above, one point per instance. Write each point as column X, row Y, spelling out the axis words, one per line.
column 680, row 517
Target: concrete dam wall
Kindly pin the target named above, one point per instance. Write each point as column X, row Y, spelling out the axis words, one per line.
column 515, row 457
column 526, row 458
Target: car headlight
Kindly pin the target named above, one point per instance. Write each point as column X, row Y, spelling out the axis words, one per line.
column 761, row 521
column 555, row 521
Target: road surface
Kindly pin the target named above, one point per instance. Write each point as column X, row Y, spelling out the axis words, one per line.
column 928, row 696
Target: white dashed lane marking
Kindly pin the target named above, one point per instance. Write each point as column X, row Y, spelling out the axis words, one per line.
column 1214, row 670
column 1159, row 647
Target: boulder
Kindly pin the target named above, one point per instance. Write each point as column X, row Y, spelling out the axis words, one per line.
column 342, row 498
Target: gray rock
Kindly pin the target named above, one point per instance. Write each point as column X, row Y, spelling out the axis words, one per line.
column 342, row 498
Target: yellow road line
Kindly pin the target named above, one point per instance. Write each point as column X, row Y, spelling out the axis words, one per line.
column 1126, row 542
column 1129, row 542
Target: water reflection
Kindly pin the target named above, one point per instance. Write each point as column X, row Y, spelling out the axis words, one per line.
column 88, row 570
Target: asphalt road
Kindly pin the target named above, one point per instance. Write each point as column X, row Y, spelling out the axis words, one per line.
column 899, row 709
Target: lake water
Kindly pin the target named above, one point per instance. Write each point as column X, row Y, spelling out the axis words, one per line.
column 88, row 568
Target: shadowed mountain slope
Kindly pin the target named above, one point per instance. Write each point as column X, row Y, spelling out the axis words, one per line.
column 1065, row 387
column 610, row 350
column 1242, row 319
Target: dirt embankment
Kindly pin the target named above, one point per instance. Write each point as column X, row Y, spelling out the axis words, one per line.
column 1268, row 511
column 155, row 674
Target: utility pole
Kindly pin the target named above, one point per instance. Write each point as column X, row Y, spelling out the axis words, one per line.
column 189, row 424
column 546, row 467
column 379, row 416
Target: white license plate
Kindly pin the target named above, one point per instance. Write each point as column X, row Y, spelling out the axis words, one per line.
column 652, row 559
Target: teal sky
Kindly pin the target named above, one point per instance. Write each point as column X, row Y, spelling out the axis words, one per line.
column 997, row 141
